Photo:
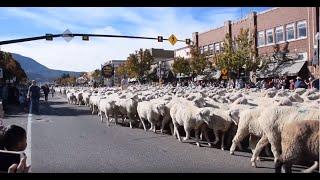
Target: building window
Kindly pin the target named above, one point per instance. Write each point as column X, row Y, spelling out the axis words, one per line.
column 290, row 32
column 279, row 34
column 217, row 47
column 205, row 49
column 222, row 46
column 261, row 38
column 270, row 36
column 302, row 29
column 201, row 50
column 210, row 48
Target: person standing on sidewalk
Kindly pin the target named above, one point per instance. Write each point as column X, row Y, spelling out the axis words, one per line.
column 46, row 91
column 34, row 96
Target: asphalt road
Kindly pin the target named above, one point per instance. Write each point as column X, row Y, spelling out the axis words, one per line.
column 67, row 138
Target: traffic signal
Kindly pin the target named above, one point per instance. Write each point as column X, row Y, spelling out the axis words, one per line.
column 188, row 41
column 49, row 37
column 85, row 38
column 160, row 38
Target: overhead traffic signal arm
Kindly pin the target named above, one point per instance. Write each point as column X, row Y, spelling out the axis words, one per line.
column 85, row 37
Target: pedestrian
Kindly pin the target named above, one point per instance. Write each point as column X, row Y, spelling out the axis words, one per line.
column 52, row 91
column 315, row 84
column 34, row 96
column 14, row 138
column 299, row 83
column 46, row 91
column 309, row 83
column 291, row 87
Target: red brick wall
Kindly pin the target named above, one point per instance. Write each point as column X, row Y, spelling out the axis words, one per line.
column 235, row 27
column 212, row 36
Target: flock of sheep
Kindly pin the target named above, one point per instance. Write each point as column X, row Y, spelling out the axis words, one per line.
column 287, row 120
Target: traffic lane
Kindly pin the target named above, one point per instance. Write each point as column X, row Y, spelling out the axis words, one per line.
column 82, row 143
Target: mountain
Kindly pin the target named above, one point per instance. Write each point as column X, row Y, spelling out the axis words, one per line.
column 39, row 72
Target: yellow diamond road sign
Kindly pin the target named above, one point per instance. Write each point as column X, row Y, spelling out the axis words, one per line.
column 172, row 39
column 224, row 71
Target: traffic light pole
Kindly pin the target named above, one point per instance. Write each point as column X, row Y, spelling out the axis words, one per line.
column 51, row 36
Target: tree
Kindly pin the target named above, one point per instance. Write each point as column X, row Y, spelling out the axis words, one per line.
column 96, row 74
column 198, row 61
column 139, row 64
column 181, row 65
column 121, row 70
column 11, row 67
column 238, row 53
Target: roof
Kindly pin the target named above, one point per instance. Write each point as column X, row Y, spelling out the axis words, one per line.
column 290, row 68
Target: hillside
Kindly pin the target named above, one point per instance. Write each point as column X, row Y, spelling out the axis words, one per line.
column 39, row 72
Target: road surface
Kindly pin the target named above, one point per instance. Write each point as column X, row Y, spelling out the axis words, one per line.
column 67, row 138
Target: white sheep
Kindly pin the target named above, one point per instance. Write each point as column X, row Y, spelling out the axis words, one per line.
column 299, row 141
column 219, row 121
column 272, row 121
column 151, row 111
column 186, row 114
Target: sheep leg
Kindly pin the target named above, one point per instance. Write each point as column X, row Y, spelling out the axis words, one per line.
column 92, row 109
column 216, row 134
column 275, row 144
column 205, row 133
column 163, row 123
column 101, row 117
column 260, row 145
column 240, row 135
column 312, row 168
column 115, row 118
column 153, row 127
column 222, row 141
column 108, row 119
column 171, row 128
column 176, row 132
column 197, row 132
column 253, row 140
column 143, row 124
column 187, row 130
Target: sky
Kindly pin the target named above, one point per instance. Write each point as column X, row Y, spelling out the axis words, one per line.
column 78, row 55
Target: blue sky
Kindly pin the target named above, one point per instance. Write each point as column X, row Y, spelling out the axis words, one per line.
column 85, row 56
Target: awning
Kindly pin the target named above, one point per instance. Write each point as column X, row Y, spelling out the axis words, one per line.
column 200, row 78
column 290, row 68
column 181, row 75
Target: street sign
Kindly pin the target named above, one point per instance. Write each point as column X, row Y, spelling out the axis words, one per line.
column 107, row 71
column 160, row 38
column 224, row 77
column 85, row 38
column 172, row 39
column 224, row 71
column 49, row 37
column 67, row 35
column 188, row 41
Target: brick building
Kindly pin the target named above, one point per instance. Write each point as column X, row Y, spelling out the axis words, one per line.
column 296, row 26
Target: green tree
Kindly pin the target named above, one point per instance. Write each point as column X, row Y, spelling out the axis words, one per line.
column 121, row 70
column 96, row 74
column 181, row 65
column 139, row 64
column 238, row 53
column 198, row 61
column 11, row 67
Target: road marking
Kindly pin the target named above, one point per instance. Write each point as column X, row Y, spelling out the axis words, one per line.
column 28, row 149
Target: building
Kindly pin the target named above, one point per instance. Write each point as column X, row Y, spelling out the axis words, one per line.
column 296, row 26
column 161, row 55
column 183, row 52
column 163, row 59
column 115, row 64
